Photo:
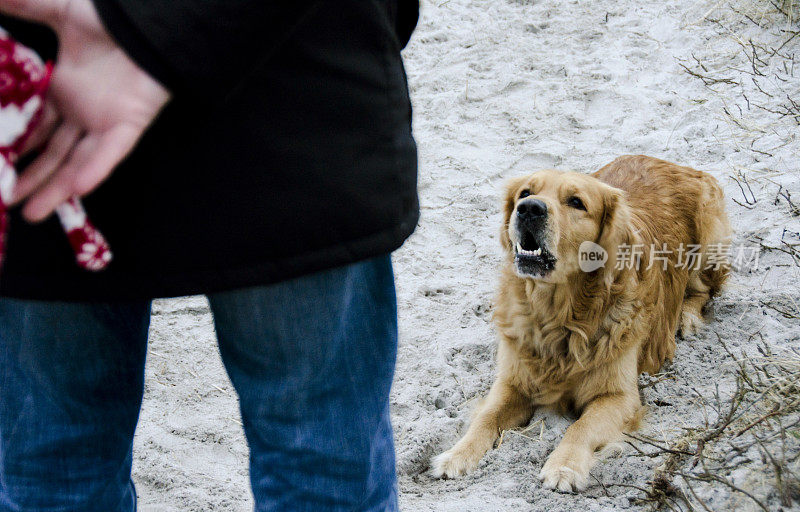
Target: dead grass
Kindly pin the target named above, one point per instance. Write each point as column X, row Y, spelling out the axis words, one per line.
column 789, row 8
column 755, row 79
column 749, row 443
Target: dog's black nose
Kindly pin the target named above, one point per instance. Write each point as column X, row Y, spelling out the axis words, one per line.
column 531, row 209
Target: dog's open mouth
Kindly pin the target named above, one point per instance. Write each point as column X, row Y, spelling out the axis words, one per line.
column 532, row 257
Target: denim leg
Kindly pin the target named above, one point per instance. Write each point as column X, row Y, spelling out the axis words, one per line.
column 312, row 360
column 71, row 384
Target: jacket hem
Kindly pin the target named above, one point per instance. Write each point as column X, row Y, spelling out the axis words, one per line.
column 123, row 287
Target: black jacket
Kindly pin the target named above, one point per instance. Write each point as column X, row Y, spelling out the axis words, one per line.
column 286, row 149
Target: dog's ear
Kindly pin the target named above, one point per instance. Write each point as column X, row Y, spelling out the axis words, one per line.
column 616, row 231
column 512, row 189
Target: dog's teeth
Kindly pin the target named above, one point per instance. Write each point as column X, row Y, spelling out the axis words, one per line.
column 537, row 252
column 519, row 248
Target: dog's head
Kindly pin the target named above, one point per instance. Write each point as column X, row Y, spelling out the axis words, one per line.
column 549, row 216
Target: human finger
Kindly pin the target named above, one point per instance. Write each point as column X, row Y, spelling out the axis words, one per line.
column 44, row 128
column 59, row 186
column 58, row 148
column 108, row 150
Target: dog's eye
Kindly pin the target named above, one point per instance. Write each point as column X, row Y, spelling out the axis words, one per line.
column 524, row 193
column 575, row 202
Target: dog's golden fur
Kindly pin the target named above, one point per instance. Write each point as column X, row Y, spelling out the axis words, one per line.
column 578, row 341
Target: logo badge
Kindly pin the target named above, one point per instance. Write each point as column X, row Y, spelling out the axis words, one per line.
column 591, row 256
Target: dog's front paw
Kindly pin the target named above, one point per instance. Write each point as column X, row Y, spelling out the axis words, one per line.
column 566, row 471
column 454, row 462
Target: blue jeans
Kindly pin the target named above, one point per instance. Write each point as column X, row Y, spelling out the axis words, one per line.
column 312, row 360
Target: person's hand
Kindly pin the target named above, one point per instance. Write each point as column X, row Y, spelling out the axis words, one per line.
column 98, row 106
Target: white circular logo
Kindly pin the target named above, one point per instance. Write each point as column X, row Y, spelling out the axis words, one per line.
column 591, row 256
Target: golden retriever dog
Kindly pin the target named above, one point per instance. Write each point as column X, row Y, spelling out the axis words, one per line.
column 596, row 282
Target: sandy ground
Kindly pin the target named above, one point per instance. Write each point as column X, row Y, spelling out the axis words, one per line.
column 500, row 89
